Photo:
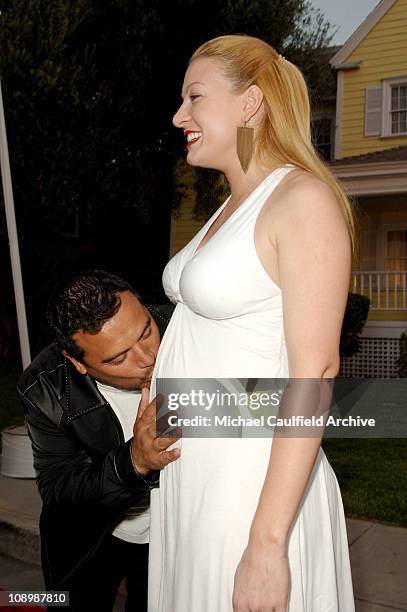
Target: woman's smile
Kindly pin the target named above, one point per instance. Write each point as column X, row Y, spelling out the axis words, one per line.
column 192, row 137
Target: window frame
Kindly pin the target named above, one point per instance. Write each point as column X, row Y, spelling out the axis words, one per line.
column 387, row 85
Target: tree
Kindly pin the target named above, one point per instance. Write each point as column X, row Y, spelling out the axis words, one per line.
column 89, row 92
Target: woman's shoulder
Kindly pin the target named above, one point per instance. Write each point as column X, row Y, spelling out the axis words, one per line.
column 300, row 185
column 302, row 193
column 301, row 204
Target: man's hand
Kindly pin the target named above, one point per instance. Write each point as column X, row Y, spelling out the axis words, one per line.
column 149, row 452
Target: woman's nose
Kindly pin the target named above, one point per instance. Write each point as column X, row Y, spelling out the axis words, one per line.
column 180, row 117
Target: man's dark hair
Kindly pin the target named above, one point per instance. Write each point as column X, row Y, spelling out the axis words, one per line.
column 84, row 302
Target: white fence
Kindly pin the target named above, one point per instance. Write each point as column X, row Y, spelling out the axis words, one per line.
column 386, row 290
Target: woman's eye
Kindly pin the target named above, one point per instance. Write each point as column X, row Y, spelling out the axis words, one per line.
column 194, row 97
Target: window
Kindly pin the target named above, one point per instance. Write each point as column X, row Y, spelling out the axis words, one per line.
column 386, row 108
column 323, row 135
column 396, row 250
column 395, row 255
column 398, row 110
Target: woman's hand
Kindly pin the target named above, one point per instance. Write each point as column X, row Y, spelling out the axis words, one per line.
column 262, row 579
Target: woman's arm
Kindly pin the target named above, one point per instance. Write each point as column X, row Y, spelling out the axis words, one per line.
column 314, row 258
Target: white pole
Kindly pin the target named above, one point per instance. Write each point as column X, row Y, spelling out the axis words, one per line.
column 13, row 240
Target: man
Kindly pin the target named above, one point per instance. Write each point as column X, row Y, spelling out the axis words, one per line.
column 95, row 461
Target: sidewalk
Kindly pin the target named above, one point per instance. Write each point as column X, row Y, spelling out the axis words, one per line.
column 378, row 553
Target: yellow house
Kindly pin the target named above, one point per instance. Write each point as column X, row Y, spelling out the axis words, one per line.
column 371, row 162
column 183, row 223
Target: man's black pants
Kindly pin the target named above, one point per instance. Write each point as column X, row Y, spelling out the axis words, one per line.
column 95, row 586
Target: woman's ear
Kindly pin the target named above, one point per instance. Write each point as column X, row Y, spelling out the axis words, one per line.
column 254, row 101
column 78, row 364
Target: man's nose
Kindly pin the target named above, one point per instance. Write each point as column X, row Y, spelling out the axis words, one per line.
column 181, row 116
column 144, row 358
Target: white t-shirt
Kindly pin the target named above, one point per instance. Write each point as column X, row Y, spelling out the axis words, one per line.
column 134, row 528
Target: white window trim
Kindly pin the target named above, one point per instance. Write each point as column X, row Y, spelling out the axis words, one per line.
column 387, row 84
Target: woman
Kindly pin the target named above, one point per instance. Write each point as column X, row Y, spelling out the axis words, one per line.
column 260, row 293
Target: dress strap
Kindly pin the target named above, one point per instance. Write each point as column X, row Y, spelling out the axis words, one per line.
column 269, row 185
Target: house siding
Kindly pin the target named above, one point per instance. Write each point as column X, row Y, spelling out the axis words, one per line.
column 183, row 224
column 383, row 54
column 183, row 227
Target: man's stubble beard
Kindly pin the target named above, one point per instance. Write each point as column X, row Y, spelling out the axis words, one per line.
column 136, row 386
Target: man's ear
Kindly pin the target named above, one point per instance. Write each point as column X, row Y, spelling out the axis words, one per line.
column 78, row 364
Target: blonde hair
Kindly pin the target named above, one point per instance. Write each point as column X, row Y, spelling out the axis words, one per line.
column 285, row 132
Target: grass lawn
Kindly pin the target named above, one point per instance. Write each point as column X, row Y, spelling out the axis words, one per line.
column 372, row 475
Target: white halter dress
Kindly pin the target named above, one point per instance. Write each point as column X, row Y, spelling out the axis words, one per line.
column 228, row 323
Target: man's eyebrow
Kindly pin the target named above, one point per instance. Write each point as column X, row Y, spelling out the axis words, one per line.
column 190, row 85
column 148, row 323
column 113, row 357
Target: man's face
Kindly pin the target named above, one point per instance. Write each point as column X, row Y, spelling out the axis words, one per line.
column 123, row 353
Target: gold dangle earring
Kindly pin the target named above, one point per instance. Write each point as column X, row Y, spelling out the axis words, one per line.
column 245, row 145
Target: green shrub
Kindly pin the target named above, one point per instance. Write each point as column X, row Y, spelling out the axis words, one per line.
column 402, row 360
column 357, row 309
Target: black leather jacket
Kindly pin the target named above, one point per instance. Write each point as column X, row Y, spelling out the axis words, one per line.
column 85, row 475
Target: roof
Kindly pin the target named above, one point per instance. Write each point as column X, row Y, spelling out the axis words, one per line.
column 360, row 33
column 389, row 155
column 327, row 53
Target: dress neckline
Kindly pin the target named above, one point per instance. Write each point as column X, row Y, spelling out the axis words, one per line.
column 214, row 217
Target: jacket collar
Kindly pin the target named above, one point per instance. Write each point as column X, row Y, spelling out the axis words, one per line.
column 80, row 393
